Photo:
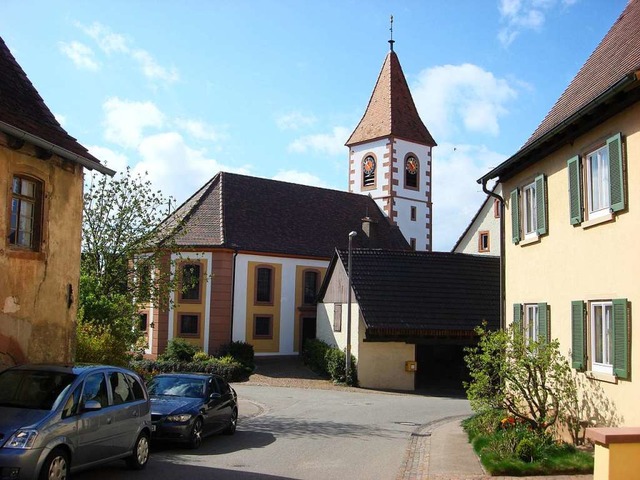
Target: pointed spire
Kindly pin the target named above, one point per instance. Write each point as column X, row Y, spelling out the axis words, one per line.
column 391, row 111
column 391, row 40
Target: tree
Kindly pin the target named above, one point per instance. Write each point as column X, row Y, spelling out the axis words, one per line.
column 531, row 380
column 126, row 251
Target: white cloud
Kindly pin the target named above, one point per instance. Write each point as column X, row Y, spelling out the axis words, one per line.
column 114, row 160
column 448, row 96
column 126, row 121
column 456, row 194
column 303, row 178
column 520, row 15
column 324, row 143
column 60, row 118
column 200, row 130
column 294, row 121
column 110, row 42
column 81, row 55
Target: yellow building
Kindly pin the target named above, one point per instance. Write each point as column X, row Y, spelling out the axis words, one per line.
column 572, row 207
column 41, row 178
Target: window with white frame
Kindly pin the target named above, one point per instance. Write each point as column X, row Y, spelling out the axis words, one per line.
column 529, row 210
column 601, row 337
column 532, row 320
column 528, row 206
column 531, row 325
column 598, row 194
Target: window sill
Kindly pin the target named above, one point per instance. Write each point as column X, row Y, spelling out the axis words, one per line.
column 603, row 377
column 598, row 220
column 530, row 240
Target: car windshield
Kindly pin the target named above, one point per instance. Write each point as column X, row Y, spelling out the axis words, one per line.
column 177, row 387
column 36, row 389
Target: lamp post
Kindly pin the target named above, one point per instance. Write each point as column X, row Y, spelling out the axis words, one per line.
column 347, row 369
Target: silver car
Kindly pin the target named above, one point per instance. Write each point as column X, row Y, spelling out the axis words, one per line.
column 58, row 419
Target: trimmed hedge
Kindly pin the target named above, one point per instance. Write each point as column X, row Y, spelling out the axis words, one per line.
column 230, row 370
column 329, row 361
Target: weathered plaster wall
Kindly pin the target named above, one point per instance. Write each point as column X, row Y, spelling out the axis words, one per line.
column 37, row 324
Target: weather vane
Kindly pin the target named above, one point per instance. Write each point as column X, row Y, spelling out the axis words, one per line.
column 391, row 41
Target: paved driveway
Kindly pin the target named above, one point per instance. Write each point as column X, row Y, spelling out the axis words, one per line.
column 302, row 433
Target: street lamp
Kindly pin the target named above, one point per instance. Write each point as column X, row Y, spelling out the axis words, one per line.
column 348, row 359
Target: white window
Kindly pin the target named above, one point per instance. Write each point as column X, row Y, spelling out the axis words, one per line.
column 599, row 197
column 531, row 322
column 530, row 210
column 601, row 337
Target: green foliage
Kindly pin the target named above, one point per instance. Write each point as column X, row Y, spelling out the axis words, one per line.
column 201, row 356
column 226, row 367
column 97, row 344
column 509, row 447
column 179, row 350
column 241, row 351
column 328, row 361
column 532, row 381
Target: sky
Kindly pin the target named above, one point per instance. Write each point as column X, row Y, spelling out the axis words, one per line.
column 179, row 91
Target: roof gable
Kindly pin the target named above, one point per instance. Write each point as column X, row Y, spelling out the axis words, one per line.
column 260, row 215
column 391, row 111
column 22, row 110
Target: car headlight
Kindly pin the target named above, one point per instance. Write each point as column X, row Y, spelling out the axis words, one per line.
column 181, row 418
column 22, row 439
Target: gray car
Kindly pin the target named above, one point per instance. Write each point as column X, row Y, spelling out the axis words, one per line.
column 58, row 419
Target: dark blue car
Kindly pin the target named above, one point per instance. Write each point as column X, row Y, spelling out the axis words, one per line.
column 185, row 407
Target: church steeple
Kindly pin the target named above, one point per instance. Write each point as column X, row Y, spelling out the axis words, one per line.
column 390, row 155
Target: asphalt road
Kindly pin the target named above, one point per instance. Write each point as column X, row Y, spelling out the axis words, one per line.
column 304, row 434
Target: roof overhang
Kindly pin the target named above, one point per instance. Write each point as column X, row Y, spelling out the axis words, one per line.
column 612, row 101
column 62, row 152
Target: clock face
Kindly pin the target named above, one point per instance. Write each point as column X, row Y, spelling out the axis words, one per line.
column 412, row 165
column 368, row 165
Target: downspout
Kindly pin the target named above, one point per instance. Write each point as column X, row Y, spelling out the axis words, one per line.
column 233, row 290
column 502, row 253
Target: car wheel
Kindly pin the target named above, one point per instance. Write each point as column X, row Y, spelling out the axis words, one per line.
column 56, row 466
column 140, row 456
column 195, row 439
column 233, row 422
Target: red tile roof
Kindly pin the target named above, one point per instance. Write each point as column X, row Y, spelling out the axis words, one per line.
column 273, row 217
column 617, row 55
column 22, row 107
column 391, row 111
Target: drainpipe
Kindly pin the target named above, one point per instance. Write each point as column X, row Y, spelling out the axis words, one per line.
column 233, row 289
column 502, row 253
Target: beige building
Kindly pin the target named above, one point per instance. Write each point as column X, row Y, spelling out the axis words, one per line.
column 482, row 235
column 41, row 179
column 572, row 215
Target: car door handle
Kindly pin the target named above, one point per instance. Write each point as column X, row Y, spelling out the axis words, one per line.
column 109, row 420
column 135, row 413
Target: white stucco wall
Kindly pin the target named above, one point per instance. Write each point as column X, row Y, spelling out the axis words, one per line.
column 486, row 221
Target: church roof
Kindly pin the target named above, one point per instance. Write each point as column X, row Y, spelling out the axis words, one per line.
column 24, row 115
column 273, row 217
column 421, row 292
column 607, row 83
column 391, row 111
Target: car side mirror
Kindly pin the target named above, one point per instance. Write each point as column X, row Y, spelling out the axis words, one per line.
column 91, row 406
column 215, row 396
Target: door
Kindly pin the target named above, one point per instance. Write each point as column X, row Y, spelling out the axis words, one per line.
column 308, row 329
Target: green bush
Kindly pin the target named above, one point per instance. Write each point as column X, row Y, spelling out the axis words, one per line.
column 525, row 450
column 201, row 356
column 314, row 356
column 241, row 351
column 328, row 361
column 227, row 368
column 179, row 350
column 96, row 344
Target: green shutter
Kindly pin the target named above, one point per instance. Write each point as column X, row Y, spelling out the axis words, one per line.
column 620, row 338
column 541, row 205
column 515, row 216
column 517, row 317
column 616, row 173
column 578, row 348
column 543, row 323
column 575, row 191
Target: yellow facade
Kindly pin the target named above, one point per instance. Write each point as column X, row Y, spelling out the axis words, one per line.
column 591, row 261
column 257, row 309
column 39, row 289
column 192, row 307
column 303, row 309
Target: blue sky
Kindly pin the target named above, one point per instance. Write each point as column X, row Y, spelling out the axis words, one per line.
column 273, row 88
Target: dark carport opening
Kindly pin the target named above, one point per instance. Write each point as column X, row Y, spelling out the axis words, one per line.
column 441, row 368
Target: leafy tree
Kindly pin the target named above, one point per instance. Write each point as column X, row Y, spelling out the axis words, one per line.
column 531, row 380
column 125, row 254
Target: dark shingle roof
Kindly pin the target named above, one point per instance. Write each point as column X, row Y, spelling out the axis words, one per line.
column 391, row 111
column 425, row 290
column 22, row 107
column 269, row 216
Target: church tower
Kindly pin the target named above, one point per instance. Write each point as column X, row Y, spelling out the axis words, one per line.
column 390, row 156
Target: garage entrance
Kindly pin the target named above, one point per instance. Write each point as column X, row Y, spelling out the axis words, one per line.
column 441, row 368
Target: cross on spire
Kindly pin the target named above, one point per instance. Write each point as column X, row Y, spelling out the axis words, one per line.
column 391, row 40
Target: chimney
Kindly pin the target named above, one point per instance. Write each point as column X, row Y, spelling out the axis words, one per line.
column 369, row 228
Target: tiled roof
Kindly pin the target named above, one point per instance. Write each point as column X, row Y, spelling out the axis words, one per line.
column 272, row 217
column 425, row 290
column 617, row 55
column 22, row 107
column 391, row 111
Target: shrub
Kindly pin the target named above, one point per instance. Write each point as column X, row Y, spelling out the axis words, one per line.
column 227, row 368
column 241, row 351
column 525, row 450
column 179, row 350
column 328, row 361
column 96, row 344
column 201, row 356
column 314, row 356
